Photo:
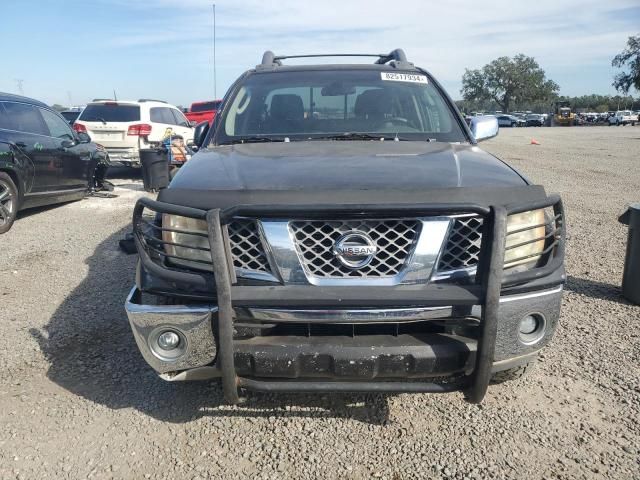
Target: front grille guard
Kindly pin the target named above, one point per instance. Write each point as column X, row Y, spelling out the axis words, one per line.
column 490, row 278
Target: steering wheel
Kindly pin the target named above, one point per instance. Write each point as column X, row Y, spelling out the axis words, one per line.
column 390, row 124
column 398, row 121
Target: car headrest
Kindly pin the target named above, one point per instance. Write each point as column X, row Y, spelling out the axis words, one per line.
column 287, row 107
column 373, row 102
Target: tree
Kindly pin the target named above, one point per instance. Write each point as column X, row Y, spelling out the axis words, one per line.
column 508, row 81
column 58, row 108
column 623, row 81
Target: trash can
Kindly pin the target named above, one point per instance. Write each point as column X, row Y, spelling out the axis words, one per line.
column 631, row 276
column 155, row 169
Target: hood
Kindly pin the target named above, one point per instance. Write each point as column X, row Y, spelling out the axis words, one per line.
column 337, row 165
column 354, row 173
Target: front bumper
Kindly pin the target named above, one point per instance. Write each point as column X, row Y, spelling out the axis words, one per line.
column 471, row 329
column 396, row 355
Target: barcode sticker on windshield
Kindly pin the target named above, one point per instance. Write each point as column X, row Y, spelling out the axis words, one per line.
column 404, row 77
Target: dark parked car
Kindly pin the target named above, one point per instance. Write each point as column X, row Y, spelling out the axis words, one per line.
column 535, row 120
column 71, row 115
column 42, row 160
column 339, row 230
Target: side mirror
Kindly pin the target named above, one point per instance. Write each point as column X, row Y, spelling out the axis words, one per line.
column 200, row 133
column 484, row 127
column 83, row 137
column 192, row 123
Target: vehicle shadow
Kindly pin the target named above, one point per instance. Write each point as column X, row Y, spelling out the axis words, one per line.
column 122, row 172
column 595, row 289
column 44, row 208
column 92, row 353
column 126, row 178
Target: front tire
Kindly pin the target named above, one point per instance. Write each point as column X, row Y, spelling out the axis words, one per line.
column 8, row 202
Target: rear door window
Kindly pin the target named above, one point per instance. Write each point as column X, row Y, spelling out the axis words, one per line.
column 179, row 118
column 110, row 112
column 58, row 128
column 162, row 115
column 25, row 118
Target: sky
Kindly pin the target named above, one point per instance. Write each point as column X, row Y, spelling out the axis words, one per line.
column 72, row 51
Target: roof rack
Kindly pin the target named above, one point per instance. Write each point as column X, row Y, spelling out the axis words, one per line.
column 103, row 100
column 151, row 100
column 396, row 58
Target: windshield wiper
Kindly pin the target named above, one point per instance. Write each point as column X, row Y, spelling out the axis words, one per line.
column 100, row 119
column 253, row 140
column 358, row 136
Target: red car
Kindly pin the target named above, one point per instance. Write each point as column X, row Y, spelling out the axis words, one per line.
column 203, row 111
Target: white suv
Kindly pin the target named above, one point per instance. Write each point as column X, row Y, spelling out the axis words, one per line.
column 126, row 127
column 623, row 117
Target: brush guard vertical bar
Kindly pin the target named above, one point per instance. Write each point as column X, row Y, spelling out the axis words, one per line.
column 491, row 279
column 225, row 309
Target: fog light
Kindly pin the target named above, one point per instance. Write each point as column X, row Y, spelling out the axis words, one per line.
column 168, row 340
column 168, row 344
column 531, row 328
column 528, row 325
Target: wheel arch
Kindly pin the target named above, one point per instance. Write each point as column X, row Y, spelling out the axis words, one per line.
column 15, row 176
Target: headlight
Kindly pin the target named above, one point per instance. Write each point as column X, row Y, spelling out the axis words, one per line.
column 193, row 244
column 517, row 250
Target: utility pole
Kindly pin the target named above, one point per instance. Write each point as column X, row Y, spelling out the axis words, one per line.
column 215, row 92
column 19, row 82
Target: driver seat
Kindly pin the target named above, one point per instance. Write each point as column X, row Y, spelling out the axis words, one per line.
column 286, row 113
column 373, row 104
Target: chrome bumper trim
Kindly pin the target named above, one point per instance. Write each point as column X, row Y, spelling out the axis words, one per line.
column 501, row 365
column 195, row 374
column 345, row 316
column 194, row 322
column 527, row 296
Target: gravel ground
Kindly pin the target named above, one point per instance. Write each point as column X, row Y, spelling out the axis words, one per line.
column 78, row 401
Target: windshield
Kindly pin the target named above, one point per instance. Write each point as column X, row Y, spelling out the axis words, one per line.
column 110, row 112
column 353, row 104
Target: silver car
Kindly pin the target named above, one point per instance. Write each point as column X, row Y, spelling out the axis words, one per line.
column 508, row 121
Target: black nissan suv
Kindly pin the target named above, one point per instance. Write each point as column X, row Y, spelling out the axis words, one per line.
column 339, row 230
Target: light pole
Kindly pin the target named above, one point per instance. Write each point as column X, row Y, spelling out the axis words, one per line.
column 215, row 93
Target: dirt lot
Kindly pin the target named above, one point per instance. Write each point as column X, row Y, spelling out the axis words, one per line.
column 78, row 401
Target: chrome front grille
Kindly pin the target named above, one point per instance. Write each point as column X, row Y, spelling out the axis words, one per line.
column 462, row 249
column 315, row 239
column 246, row 247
